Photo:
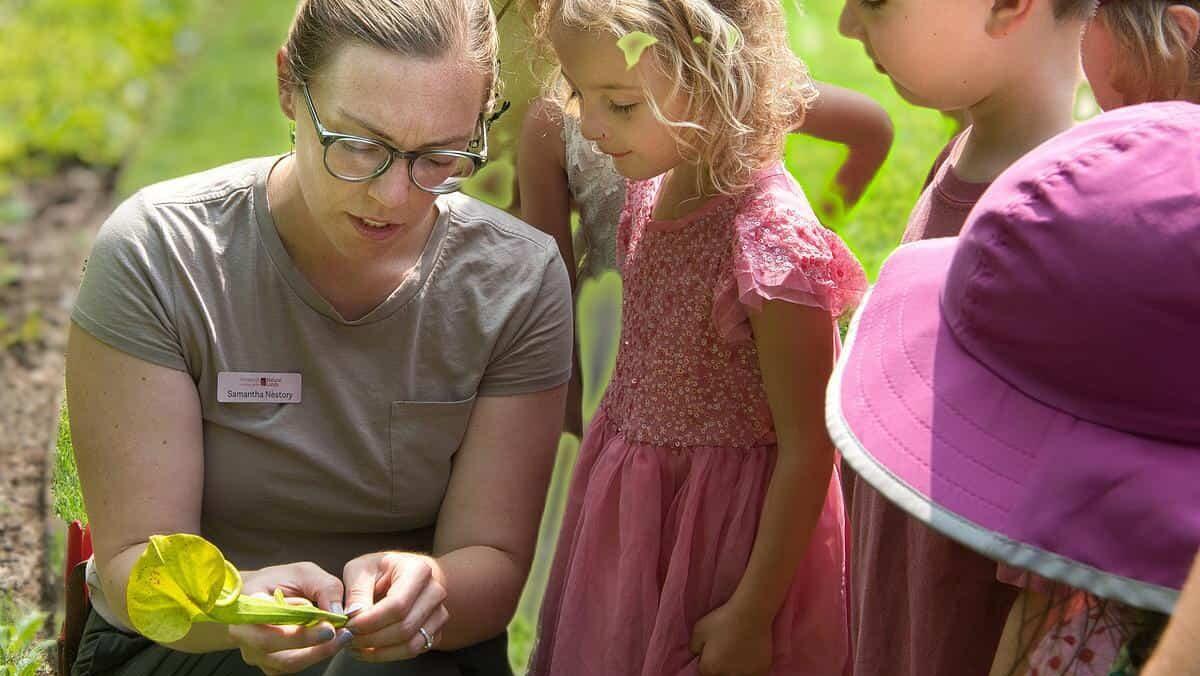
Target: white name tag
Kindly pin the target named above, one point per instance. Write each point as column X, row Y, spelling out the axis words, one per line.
column 236, row 387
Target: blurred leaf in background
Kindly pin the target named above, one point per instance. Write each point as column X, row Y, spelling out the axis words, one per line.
column 78, row 77
column 21, row 652
column 225, row 106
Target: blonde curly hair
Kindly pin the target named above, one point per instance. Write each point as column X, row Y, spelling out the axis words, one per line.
column 1159, row 64
column 729, row 58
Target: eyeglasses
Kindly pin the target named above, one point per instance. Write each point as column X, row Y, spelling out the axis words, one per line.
column 358, row 159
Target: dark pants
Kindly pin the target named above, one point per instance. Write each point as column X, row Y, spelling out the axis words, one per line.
column 107, row 651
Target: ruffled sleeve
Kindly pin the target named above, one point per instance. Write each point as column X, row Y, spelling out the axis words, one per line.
column 781, row 252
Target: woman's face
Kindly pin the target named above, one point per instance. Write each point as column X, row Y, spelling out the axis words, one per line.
column 408, row 103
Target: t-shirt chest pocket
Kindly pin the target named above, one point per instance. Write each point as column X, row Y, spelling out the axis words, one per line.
column 424, row 436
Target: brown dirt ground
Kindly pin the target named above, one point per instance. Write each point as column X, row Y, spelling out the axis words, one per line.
column 47, row 247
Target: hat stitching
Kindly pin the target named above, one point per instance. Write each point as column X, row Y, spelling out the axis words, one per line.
column 880, row 423
column 843, row 428
column 1032, row 191
column 944, row 401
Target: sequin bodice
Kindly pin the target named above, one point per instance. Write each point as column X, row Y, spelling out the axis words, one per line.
column 676, row 383
column 687, row 371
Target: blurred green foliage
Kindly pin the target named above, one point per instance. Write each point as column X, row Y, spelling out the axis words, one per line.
column 598, row 327
column 873, row 227
column 78, row 77
column 21, row 652
column 225, row 106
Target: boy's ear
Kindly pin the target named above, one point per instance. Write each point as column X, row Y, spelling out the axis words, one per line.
column 1007, row 15
column 1188, row 20
column 285, row 83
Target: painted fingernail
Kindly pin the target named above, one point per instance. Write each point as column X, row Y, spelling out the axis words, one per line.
column 345, row 636
column 326, row 634
column 336, row 608
column 354, row 609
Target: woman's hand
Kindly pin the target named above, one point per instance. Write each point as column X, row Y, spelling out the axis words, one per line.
column 287, row 650
column 732, row 643
column 396, row 600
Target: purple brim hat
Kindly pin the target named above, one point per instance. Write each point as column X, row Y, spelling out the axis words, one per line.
column 1032, row 388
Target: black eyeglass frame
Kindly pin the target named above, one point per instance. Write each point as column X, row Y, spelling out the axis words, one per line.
column 328, row 138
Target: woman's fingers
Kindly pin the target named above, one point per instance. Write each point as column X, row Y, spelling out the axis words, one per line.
column 401, row 597
column 302, row 580
column 402, row 615
column 286, row 650
column 407, row 619
column 413, row 646
column 405, row 577
column 326, row 591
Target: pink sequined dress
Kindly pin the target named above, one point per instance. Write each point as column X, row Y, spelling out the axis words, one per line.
column 665, row 499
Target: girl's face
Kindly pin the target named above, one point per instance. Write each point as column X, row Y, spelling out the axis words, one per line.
column 937, row 53
column 411, row 104
column 613, row 108
column 1100, row 54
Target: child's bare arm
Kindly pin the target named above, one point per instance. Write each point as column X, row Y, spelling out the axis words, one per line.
column 858, row 122
column 546, row 205
column 1177, row 653
column 542, row 177
column 796, row 354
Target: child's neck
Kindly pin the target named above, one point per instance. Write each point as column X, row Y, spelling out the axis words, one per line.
column 685, row 189
column 1017, row 118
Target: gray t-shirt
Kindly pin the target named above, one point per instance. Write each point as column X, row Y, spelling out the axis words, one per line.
column 191, row 274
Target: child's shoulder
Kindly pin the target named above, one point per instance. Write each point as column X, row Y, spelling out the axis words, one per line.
column 774, row 191
column 542, row 130
column 782, row 252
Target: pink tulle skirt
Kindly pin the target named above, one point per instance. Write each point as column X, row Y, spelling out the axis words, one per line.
column 654, row 538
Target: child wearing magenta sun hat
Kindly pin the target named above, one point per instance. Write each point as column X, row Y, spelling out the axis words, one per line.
column 1028, row 387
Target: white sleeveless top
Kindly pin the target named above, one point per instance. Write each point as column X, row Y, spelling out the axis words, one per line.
column 599, row 192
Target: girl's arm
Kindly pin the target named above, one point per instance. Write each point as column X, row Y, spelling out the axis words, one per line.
column 546, row 205
column 542, row 178
column 795, row 353
column 1178, row 652
column 862, row 125
column 795, row 346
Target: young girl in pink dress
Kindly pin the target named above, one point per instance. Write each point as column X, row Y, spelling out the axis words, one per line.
column 704, row 532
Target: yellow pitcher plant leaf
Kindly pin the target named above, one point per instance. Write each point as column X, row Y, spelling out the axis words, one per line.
column 183, row 579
